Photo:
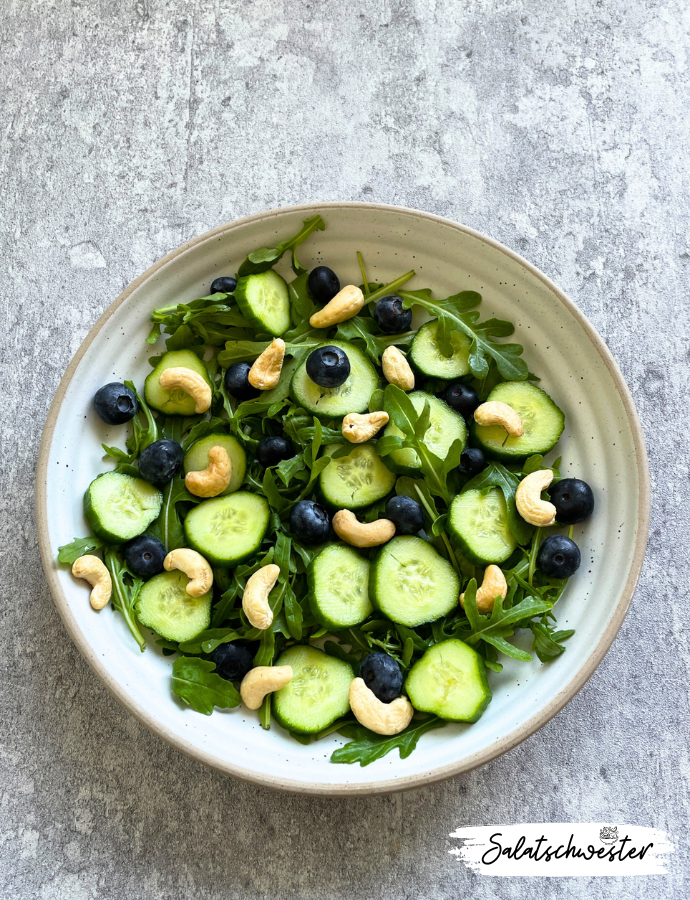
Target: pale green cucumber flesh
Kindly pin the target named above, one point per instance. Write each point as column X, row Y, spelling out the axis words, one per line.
column 356, row 480
column 120, row 507
column 263, row 300
column 177, row 402
column 445, row 427
column 450, row 681
column 317, row 695
column 165, row 606
column 339, row 587
column 542, row 422
column 427, row 357
column 479, row 523
column 228, row 530
column 350, row 397
column 196, row 458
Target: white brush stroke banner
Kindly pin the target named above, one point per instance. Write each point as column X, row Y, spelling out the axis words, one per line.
column 559, row 848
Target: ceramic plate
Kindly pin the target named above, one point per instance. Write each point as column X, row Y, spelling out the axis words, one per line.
column 602, row 443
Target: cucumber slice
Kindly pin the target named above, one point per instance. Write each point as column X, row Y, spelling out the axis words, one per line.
column 542, row 421
column 263, row 300
column 196, row 458
column 228, row 530
column 427, row 357
column 356, row 480
column 445, row 427
column 318, row 693
column 332, row 403
column 479, row 523
column 339, row 587
column 165, row 606
column 450, row 681
column 119, row 507
column 177, row 402
column 411, row 583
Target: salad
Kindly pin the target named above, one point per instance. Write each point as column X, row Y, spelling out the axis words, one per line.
column 330, row 515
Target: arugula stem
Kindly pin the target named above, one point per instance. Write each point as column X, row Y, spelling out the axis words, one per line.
column 364, row 274
column 390, row 287
column 265, row 713
column 125, row 606
column 444, row 536
column 536, row 540
column 571, row 532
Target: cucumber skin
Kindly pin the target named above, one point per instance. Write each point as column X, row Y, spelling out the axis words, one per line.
column 469, row 554
column 226, row 562
column 94, row 521
column 481, row 672
column 246, row 309
column 323, row 620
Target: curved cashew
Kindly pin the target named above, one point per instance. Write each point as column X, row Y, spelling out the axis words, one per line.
column 194, row 566
column 528, row 499
column 359, row 428
column 397, row 369
column 255, row 597
column 214, row 479
column 265, row 371
column 93, row 570
column 263, row 680
column 348, row 527
column 346, row 304
column 494, row 585
column 379, row 717
column 496, row 413
column 191, row 383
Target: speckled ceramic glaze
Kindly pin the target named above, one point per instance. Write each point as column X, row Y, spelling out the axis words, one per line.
column 602, row 443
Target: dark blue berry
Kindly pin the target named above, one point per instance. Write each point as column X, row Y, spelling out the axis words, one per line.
column 233, row 660
column 462, row 398
column 115, row 403
column 310, row 522
column 390, row 316
column 237, row 382
column 144, row 555
column 382, row 675
column 405, row 513
column 323, row 284
column 328, row 366
column 226, row 284
column 272, row 450
column 573, row 499
column 472, row 462
column 161, row 461
column 558, row 556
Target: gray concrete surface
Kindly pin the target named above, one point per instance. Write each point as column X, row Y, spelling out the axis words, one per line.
column 127, row 127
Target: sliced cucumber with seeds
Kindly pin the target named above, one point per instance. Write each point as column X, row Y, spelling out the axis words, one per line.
column 479, row 523
column 165, row 606
column 228, row 530
column 332, row 403
column 427, row 357
column 449, row 681
column 196, row 458
column 120, row 507
column 356, row 480
column 177, row 402
column 263, row 300
column 318, row 694
column 339, row 587
column 542, row 422
column 445, row 426
column 411, row 583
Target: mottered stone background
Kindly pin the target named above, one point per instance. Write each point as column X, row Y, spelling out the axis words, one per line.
column 128, row 127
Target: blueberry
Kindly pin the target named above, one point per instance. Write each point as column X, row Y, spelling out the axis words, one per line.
column 382, row 675
column 406, row 514
column 390, row 316
column 472, row 462
column 144, row 555
column 573, row 499
column 233, row 660
column 323, row 284
column 161, row 461
column 310, row 522
column 272, row 450
column 328, row 366
column 558, row 556
column 237, row 382
column 462, row 398
column 226, row 284
column 115, row 403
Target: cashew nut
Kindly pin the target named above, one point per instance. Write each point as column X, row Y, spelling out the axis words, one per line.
column 263, row 680
column 496, row 413
column 265, row 372
column 255, row 597
column 214, row 479
column 397, row 369
column 379, row 717
column 348, row 527
column 194, row 566
column 528, row 499
column 93, row 570
column 494, row 585
column 191, row 383
column 359, row 428
column 346, row 304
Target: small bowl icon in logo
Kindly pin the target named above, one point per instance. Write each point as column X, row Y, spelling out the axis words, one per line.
column 609, row 834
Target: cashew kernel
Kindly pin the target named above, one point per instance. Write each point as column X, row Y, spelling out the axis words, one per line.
column 359, row 428
column 263, row 680
column 379, row 717
column 265, row 371
column 493, row 585
column 397, row 369
column 194, row 566
column 191, row 383
column 214, row 479
column 94, row 570
column 346, row 304
column 496, row 413
column 359, row 534
column 528, row 499
column 255, row 597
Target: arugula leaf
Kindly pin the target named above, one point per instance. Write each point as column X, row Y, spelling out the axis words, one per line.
column 547, row 642
column 126, row 588
column 68, row 554
column 496, row 475
column 208, row 640
column 168, row 526
column 265, row 258
column 214, row 425
column 364, row 330
column 196, row 682
column 366, row 747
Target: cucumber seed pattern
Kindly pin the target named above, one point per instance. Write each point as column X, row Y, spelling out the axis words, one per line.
column 229, row 521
